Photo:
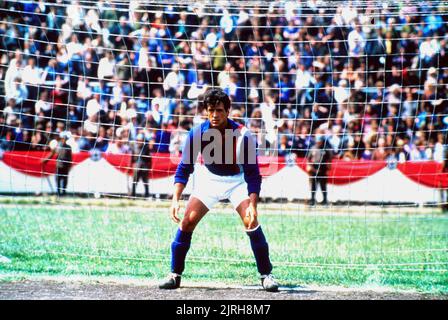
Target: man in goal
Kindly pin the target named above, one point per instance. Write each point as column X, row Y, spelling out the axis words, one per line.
column 231, row 171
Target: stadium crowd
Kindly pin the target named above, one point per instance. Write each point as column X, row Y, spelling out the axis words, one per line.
column 372, row 80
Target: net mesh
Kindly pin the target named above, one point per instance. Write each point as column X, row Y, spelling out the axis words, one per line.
column 365, row 80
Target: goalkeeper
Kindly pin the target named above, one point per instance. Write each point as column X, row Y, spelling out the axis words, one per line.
column 231, row 172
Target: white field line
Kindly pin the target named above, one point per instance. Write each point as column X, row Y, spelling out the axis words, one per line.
column 4, row 259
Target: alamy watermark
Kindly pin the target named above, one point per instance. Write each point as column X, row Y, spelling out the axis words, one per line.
column 228, row 146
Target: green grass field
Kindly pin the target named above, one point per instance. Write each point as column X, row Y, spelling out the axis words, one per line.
column 398, row 250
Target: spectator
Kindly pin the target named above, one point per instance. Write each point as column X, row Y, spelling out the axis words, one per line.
column 124, row 68
column 43, row 106
column 284, row 146
column 50, row 71
column 160, row 107
column 12, row 74
column 16, row 92
column 31, row 73
column 304, row 82
column 119, row 92
column 64, row 161
column 319, row 162
column 418, row 151
column 141, row 164
column 174, row 83
column 198, row 87
column 428, row 49
column 349, row 154
column 162, row 139
column 219, row 56
column 356, row 41
column 302, row 141
column 101, row 142
column 381, row 152
column 439, row 148
column 120, row 144
column 84, row 93
column 106, row 66
column 178, row 138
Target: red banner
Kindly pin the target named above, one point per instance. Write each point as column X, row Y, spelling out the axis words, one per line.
column 428, row 173
column 163, row 164
column 270, row 165
column 344, row 172
column 30, row 162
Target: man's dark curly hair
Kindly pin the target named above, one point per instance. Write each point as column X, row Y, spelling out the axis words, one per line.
column 214, row 96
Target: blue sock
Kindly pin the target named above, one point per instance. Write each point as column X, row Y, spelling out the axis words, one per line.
column 261, row 250
column 179, row 249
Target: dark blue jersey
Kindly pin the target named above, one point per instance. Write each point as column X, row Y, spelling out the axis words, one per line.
column 224, row 153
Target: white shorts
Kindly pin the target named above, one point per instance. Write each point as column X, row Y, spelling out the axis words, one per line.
column 211, row 188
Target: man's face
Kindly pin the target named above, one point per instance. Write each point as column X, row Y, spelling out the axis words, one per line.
column 217, row 115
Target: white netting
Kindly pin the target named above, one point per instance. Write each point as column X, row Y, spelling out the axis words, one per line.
column 368, row 79
column 369, row 76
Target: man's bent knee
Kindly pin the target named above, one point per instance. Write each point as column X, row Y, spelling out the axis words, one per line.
column 189, row 222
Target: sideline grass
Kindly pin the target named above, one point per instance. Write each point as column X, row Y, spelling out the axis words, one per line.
column 402, row 251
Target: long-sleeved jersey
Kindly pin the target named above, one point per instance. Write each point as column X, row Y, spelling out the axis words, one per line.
column 224, row 153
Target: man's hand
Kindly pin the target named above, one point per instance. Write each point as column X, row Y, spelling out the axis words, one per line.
column 251, row 212
column 175, row 204
column 310, row 169
column 174, row 211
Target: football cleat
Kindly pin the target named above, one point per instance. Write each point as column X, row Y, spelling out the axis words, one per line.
column 269, row 284
column 171, row 282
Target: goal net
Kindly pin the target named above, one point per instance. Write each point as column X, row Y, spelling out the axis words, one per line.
column 346, row 100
